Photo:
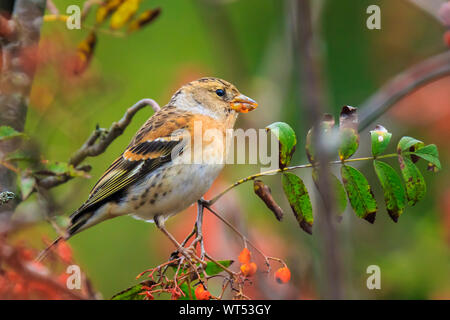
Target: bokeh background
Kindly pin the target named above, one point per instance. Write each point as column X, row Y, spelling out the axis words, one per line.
column 249, row 43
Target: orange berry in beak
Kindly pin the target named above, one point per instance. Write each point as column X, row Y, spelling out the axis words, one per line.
column 243, row 104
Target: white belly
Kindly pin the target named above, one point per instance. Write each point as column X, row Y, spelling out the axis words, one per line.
column 169, row 190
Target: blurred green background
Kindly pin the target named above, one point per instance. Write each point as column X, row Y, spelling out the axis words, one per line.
column 249, row 43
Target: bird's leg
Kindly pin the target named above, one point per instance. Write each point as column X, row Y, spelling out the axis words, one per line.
column 174, row 254
column 160, row 224
column 198, row 226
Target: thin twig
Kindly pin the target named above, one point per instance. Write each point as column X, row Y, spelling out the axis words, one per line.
column 98, row 142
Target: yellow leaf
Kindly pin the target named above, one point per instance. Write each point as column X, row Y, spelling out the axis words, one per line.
column 145, row 18
column 124, row 13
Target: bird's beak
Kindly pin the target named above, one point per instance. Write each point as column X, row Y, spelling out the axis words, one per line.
column 243, row 104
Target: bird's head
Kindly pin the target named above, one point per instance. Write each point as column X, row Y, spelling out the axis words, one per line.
column 212, row 96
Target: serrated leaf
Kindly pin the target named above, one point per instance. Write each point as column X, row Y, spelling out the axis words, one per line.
column 124, row 13
column 415, row 184
column 348, row 128
column 7, row 132
column 326, row 127
column 429, row 153
column 264, row 193
column 212, row 269
column 380, row 140
column 338, row 190
column 359, row 193
column 132, row 293
column 299, row 200
column 394, row 192
column 287, row 141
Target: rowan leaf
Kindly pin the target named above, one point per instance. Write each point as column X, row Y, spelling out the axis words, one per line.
column 287, row 141
column 406, row 143
column 185, row 288
column 144, row 18
column 124, row 13
column 212, row 269
column 134, row 292
column 85, row 52
column 380, row 140
column 415, row 184
column 429, row 153
column 264, row 193
column 299, row 200
column 7, row 132
column 359, row 193
column 338, row 190
column 348, row 128
column 393, row 190
column 326, row 127
column 105, row 10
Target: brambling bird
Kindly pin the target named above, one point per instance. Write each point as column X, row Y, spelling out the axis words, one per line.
column 155, row 178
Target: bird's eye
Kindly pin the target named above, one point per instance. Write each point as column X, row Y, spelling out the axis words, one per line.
column 220, row 92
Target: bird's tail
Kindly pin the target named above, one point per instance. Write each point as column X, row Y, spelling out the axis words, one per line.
column 78, row 221
column 44, row 252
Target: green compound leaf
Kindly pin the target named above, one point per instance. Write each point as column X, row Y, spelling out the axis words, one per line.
column 132, row 293
column 6, row 132
column 287, row 141
column 348, row 128
column 380, row 140
column 359, row 193
column 394, row 192
column 339, row 192
column 326, row 127
column 429, row 153
column 415, row 184
column 212, row 269
column 406, row 143
column 298, row 198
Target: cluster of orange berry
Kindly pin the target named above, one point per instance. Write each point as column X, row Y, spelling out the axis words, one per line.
column 248, row 268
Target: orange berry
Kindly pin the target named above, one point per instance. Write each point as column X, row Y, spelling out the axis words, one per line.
column 244, row 256
column 249, row 269
column 201, row 293
column 283, row 275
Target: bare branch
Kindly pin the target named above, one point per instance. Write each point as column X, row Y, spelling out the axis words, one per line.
column 403, row 85
column 98, row 142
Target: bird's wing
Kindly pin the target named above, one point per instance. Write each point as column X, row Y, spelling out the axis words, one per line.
column 149, row 149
